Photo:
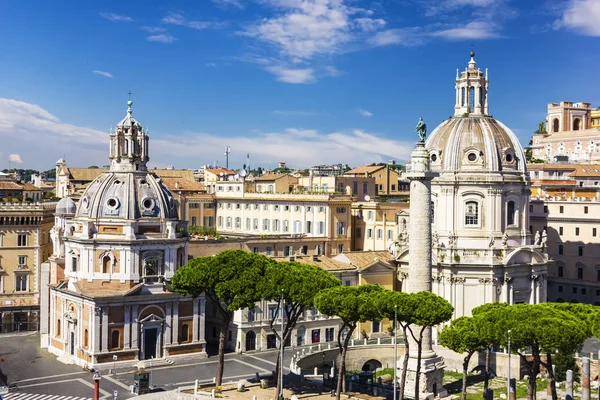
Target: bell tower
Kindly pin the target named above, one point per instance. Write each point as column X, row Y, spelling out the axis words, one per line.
column 471, row 90
column 128, row 145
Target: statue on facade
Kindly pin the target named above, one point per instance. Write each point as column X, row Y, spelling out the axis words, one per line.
column 435, row 239
column 544, row 239
column 492, row 240
column 536, row 240
column 421, row 130
column 505, row 239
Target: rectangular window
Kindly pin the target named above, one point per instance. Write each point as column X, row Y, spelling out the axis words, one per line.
column 576, row 231
column 220, row 219
column 340, row 210
column 546, row 209
column 580, row 273
column 561, row 209
column 379, row 234
column 308, row 226
column 269, row 250
column 370, row 215
column 393, row 188
column 308, row 209
column 194, row 221
column 580, row 251
column 255, row 249
column 560, row 271
column 272, row 311
column 585, row 209
column 252, row 314
column 321, row 209
column 329, row 334
column 574, row 290
column 20, row 282
column 321, row 227
column 594, row 232
column 304, row 250
column 22, row 260
column 255, row 224
column 238, row 222
column 358, row 232
column 583, row 291
column 341, row 228
column 347, row 283
column 22, row 240
column 74, row 264
column 369, row 233
column 266, row 224
column 389, row 234
column 560, row 230
column 365, row 188
column 531, row 208
column 248, row 224
column 275, row 225
column 286, row 225
column 355, row 188
column 560, row 249
column 286, row 208
column 471, row 213
column 287, row 251
column 316, row 336
column 560, row 289
column 340, row 248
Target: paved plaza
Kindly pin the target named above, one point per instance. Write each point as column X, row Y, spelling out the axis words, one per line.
column 34, row 374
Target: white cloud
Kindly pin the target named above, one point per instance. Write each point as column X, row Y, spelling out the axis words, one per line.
column 405, row 36
column 102, row 73
column 116, row 17
column 162, row 38
column 333, row 71
column 42, row 137
column 15, row 158
column 365, row 113
column 581, row 16
column 472, row 30
column 229, row 3
column 179, row 19
column 292, row 75
column 210, row 65
column 153, row 29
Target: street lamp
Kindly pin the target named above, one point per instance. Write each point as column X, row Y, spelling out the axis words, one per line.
column 395, row 348
column 508, row 384
column 282, row 344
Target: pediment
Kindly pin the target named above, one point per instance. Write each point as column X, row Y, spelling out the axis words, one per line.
column 377, row 267
column 152, row 318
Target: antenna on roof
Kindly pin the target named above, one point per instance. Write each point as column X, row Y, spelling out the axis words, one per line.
column 227, row 151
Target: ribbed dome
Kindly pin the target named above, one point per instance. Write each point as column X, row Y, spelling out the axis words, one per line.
column 66, row 206
column 475, row 143
column 127, row 195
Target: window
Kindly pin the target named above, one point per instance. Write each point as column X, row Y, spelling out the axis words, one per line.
column 580, row 251
column 561, row 209
column 560, row 230
column 256, row 206
column 255, row 249
column 576, row 231
column 318, row 250
column 546, row 209
column 316, row 335
column 308, row 226
column 560, row 249
column 114, row 339
column 561, row 271
column 510, row 213
column 266, row 224
column 389, row 234
column 347, row 282
column 585, row 209
column 393, row 188
column 329, row 334
column 555, row 125
column 228, row 223
column 579, row 273
column 286, row 225
column 276, row 207
column 354, row 188
column 560, row 289
column 297, row 226
column 340, row 210
column 22, row 240
column 194, row 221
column 106, row 264
column 286, row 208
column 432, row 210
column 574, row 290
column 583, row 291
column 594, row 232
column 598, row 275
column 370, row 215
column 304, row 250
column 255, row 224
column 272, row 311
column 321, row 227
column 369, row 233
column 229, row 206
column 229, row 336
column 379, row 234
column 308, row 209
column 358, row 232
column 341, row 228
column 74, row 264
column 463, row 98
column 365, row 188
column 471, row 213
column 237, row 206
column 340, row 248
column 531, row 208
column 375, row 326
column 252, row 314
column 471, row 98
column 246, row 206
column 248, row 224
column 287, row 251
column 20, row 282
column 22, row 260
column 58, row 327
column 184, row 335
column 321, row 209
column 220, row 222
column 238, row 222
column 275, row 225
column 86, row 339
column 269, row 250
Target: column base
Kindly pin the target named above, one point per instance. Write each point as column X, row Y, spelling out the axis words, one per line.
column 431, row 377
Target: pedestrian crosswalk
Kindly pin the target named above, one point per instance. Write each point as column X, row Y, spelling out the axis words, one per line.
column 34, row 396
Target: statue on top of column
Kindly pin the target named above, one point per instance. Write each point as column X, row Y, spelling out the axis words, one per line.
column 421, row 130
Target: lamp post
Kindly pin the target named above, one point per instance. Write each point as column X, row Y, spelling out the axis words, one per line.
column 395, row 349
column 282, row 344
column 151, row 359
column 508, row 384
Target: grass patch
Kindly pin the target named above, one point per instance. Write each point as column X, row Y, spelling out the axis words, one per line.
column 453, row 384
column 385, row 371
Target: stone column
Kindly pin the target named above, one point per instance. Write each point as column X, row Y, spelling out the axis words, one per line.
column 105, row 329
column 195, row 322
column 175, row 331
column 169, row 324
column 134, row 327
column 127, row 328
column 96, row 330
column 585, row 378
column 202, row 323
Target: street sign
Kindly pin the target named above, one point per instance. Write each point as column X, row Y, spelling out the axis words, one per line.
column 116, row 393
column 115, row 357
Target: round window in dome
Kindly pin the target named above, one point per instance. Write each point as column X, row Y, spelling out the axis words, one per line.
column 433, row 157
column 472, row 157
column 509, row 158
column 112, row 203
column 147, row 203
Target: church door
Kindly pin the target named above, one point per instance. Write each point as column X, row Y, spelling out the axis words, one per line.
column 150, row 338
column 250, row 341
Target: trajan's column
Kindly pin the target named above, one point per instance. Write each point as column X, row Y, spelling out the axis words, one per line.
column 419, row 267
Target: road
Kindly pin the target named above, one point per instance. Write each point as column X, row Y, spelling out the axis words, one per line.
column 35, row 374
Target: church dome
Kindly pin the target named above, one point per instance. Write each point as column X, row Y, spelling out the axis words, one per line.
column 127, row 195
column 475, row 143
column 65, row 207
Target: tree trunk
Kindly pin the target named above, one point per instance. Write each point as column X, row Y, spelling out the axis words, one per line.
column 532, row 369
column 486, row 380
column 418, row 372
column 552, row 380
column 404, row 364
column 221, row 356
column 465, row 373
column 342, row 370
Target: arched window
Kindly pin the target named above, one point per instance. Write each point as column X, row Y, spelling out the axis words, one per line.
column 86, row 339
column 471, row 98
column 462, row 97
column 125, row 147
column 58, row 327
column 510, row 213
column 471, row 213
column 301, row 336
column 184, row 335
column 106, row 264
column 114, row 340
column 555, row 125
column 576, row 124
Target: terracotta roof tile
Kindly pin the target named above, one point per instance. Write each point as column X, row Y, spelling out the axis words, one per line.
column 217, row 171
column 366, row 169
column 270, row 177
column 326, row 263
column 175, row 184
column 9, row 185
column 363, row 259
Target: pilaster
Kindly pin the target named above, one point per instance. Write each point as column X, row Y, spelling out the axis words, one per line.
column 127, row 328
column 134, row 327
column 105, row 329
column 175, row 331
column 195, row 322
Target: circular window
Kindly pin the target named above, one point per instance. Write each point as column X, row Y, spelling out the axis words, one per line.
column 117, row 182
column 148, row 204
column 509, row 158
column 112, row 203
column 472, row 157
column 143, row 182
column 433, row 157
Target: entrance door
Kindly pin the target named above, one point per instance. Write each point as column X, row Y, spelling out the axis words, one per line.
column 250, row 341
column 150, row 337
column 72, row 347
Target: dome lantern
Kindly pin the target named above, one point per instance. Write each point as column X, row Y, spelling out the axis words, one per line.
column 471, row 90
column 128, row 145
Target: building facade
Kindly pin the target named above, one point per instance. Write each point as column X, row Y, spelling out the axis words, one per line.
column 24, row 245
column 117, row 251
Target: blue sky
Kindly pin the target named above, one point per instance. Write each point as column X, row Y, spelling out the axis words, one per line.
column 302, row 81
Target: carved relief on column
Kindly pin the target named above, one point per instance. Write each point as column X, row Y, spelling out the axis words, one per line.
column 105, row 329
